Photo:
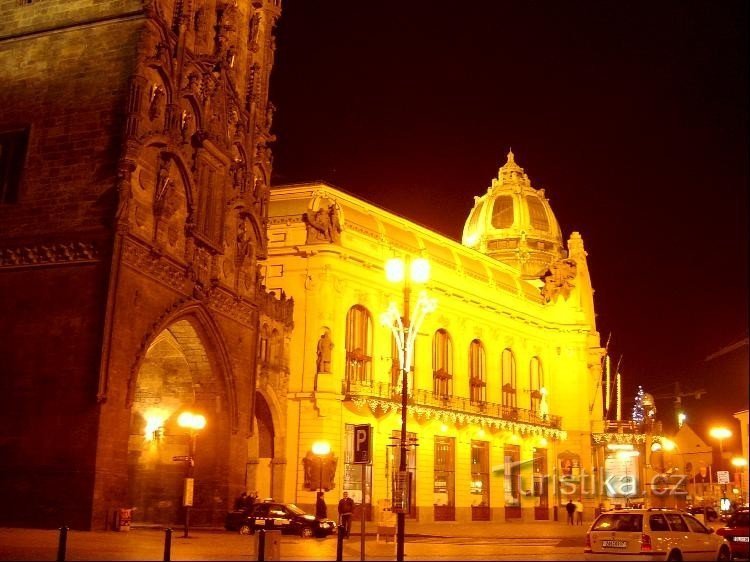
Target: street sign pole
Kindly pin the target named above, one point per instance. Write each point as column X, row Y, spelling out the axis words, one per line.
column 362, row 456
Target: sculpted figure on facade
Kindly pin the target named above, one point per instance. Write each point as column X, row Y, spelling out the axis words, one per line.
column 323, row 225
column 559, row 279
column 325, row 347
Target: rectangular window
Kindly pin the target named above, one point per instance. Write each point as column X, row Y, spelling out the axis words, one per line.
column 13, row 146
column 512, row 481
column 480, row 481
column 353, row 477
column 445, row 479
column 541, row 496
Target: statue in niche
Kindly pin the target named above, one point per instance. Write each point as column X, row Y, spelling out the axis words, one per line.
column 156, row 96
column 558, row 280
column 243, row 240
column 323, row 225
column 163, row 182
column 325, row 346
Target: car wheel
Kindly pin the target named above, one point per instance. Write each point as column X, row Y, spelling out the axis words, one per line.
column 306, row 532
column 246, row 529
column 724, row 554
column 675, row 556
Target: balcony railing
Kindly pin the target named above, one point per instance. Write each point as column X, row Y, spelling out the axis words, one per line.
column 421, row 397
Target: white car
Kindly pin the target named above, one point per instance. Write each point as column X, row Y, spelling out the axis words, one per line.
column 653, row 534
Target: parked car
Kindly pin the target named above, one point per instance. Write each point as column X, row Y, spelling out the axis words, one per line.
column 737, row 532
column 653, row 534
column 286, row 517
column 710, row 512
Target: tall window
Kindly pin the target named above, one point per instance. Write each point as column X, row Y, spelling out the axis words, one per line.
column 12, row 158
column 508, row 366
column 536, row 382
column 445, row 479
column 442, row 364
column 358, row 345
column 512, row 480
column 480, row 481
column 476, row 371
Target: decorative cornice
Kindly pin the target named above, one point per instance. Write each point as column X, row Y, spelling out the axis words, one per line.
column 462, row 417
column 238, row 309
column 49, row 254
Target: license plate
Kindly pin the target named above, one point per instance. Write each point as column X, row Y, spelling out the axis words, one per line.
column 742, row 539
column 615, row 544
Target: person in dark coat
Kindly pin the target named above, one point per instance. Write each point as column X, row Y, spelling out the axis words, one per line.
column 570, row 507
column 321, row 511
column 239, row 503
column 346, row 508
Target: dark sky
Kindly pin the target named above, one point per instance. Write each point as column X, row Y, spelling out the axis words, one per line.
column 632, row 115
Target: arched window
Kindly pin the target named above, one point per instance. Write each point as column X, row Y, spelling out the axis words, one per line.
column 358, row 345
column 536, row 382
column 442, row 364
column 476, row 371
column 508, row 377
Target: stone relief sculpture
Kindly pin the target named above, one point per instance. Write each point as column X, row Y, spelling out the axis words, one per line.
column 325, row 346
column 323, row 225
column 559, row 279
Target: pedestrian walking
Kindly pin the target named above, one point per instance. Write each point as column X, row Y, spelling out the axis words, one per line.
column 579, row 512
column 570, row 507
column 321, row 511
column 346, row 509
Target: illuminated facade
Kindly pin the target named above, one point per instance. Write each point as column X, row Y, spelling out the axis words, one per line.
column 506, row 370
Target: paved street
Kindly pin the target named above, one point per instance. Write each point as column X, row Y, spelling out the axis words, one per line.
column 444, row 541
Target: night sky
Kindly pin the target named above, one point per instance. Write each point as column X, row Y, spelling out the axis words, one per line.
column 633, row 116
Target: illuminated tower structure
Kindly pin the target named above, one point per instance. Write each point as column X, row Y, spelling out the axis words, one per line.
column 134, row 172
column 505, row 377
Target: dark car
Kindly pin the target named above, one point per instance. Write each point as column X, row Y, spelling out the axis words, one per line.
column 710, row 512
column 286, row 517
column 737, row 532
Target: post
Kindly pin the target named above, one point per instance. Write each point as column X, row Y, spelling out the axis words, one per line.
column 362, row 516
column 340, row 543
column 167, row 545
column 62, row 544
column 261, row 545
column 188, row 501
column 401, row 516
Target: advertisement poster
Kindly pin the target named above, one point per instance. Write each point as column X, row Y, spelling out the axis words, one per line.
column 621, row 476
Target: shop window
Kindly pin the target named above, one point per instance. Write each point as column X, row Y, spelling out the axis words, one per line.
column 394, row 460
column 512, row 481
column 480, row 481
column 445, row 479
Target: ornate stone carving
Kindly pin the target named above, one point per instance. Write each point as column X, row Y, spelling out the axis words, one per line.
column 323, row 225
column 155, row 266
column 45, row 254
column 558, row 280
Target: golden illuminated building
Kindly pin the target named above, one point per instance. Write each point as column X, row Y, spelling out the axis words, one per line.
column 505, row 380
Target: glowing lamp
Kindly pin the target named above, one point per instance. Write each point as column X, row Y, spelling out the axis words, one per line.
column 191, row 421
column 720, row 433
column 321, row 448
column 739, row 462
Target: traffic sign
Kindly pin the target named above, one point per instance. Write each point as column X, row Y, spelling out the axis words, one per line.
column 362, row 444
column 722, row 477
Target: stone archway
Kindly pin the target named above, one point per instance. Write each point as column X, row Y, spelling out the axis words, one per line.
column 176, row 375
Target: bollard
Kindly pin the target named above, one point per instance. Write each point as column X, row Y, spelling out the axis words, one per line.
column 261, row 545
column 62, row 545
column 167, row 545
column 340, row 543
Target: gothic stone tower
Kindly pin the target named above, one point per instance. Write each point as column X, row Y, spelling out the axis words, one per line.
column 134, row 172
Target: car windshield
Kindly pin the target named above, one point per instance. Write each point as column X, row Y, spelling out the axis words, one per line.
column 623, row 522
column 741, row 519
column 294, row 509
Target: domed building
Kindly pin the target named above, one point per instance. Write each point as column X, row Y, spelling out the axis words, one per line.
column 514, row 223
column 503, row 379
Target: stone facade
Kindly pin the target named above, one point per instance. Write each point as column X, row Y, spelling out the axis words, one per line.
column 129, row 289
column 503, row 367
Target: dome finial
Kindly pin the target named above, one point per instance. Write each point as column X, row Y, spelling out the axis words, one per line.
column 511, row 159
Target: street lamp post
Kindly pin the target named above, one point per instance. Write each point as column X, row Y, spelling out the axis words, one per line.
column 194, row 423
column 405, row 332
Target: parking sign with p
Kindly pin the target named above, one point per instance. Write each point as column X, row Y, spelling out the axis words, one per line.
column 362, row 444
